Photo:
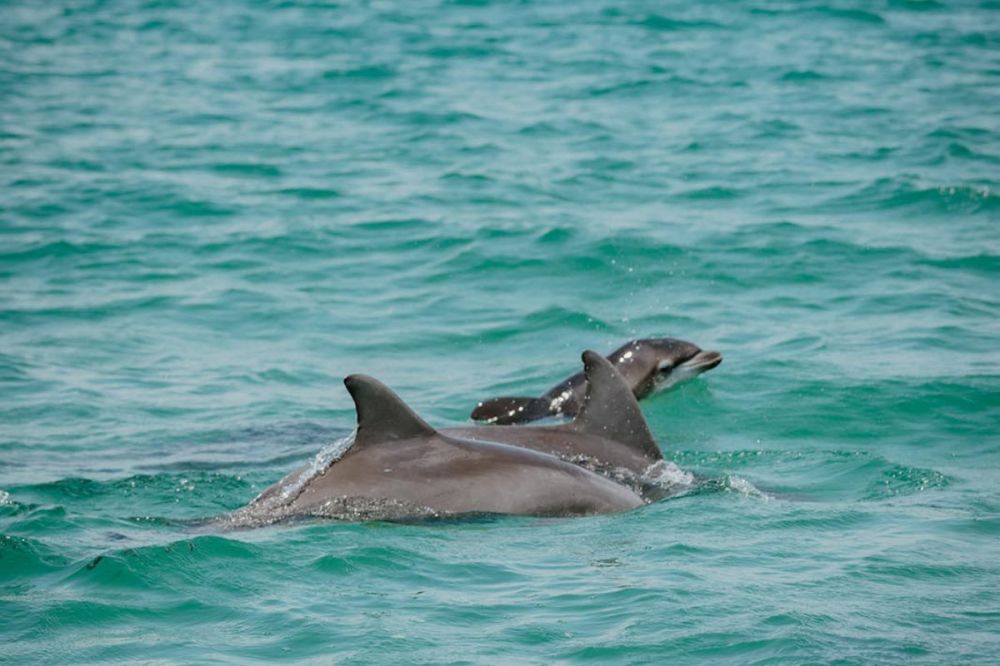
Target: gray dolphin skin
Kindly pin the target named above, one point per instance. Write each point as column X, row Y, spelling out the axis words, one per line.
column 647, row 366
column 608, row 433
column 399, row 467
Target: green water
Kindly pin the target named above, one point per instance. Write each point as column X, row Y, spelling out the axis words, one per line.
column 212, row 212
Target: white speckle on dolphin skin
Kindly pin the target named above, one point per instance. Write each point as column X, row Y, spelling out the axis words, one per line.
column 557, row 402
column 627, row 356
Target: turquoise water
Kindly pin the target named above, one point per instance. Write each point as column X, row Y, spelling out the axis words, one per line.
column 212, row 212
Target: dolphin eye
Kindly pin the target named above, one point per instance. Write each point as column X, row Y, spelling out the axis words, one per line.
column 664, row 366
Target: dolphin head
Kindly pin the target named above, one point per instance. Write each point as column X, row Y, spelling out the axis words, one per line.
column 658, row 363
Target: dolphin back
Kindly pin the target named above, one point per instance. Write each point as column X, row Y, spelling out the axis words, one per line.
column 511, row 409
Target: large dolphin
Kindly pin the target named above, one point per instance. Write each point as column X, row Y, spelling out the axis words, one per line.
column 399, row 467
column 646, row 365
column 609, row 433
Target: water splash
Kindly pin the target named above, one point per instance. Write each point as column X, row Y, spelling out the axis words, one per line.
column 328, row 455
column 737, row 484
column 274, row 504
column 667, row 474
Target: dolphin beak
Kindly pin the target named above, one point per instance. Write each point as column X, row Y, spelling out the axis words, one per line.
column 702, row 361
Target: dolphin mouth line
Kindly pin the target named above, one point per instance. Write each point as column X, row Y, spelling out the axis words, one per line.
column 702, row 361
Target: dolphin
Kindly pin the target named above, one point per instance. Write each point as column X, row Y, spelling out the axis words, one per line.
column 609, row 434
column 399, row 467
column 647, row 365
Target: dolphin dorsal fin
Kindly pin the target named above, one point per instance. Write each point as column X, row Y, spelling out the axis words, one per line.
column 382, row 415
column 610, row 409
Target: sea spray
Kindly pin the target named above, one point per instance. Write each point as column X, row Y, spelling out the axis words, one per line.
column 273, row 505
column 328, row 455
column 739, row 485
column 667, row 474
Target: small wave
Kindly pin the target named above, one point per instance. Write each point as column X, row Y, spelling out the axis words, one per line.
column 25, row 556
column 310, row 193
column 373, row 72
column 49, row 250
column 466, row 51
column 859, row 15
column 710, row 193
column 900, row 480
column 247, row 169
column 802, row 75
column 144, row 566
column 908, row 193
column 660, row 23
column 986, row 264
column 917, row 5
column 820, row 475
column 645, row 86
column 5, row 498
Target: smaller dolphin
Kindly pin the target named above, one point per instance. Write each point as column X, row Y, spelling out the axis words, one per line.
column 399, row 467
column 647, row 366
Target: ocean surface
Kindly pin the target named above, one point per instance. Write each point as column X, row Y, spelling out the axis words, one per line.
column 210, row 213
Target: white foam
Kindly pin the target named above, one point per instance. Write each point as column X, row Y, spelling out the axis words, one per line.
column 5, row 498
column 740, row 485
